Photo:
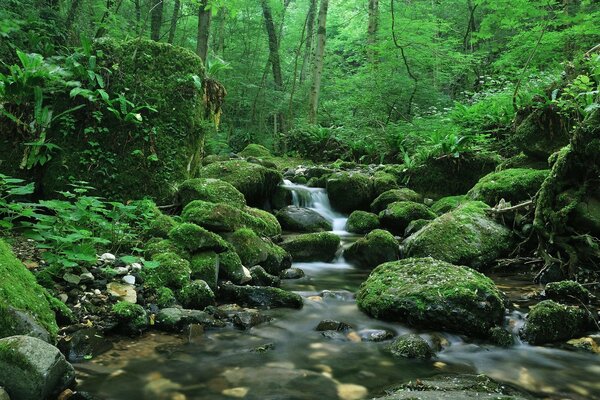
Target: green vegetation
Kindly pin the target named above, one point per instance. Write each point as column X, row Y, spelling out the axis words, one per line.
column 362, row 222
column 512, row 185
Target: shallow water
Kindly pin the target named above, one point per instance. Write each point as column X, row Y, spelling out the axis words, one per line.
column 288, row 359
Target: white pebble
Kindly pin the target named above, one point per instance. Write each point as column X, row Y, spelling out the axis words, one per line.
column 129, row 279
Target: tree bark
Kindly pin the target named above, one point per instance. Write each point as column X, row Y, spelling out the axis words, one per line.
column 156, row 17
column 174, row 19
column 373, row 29
column 315, row 89
column 310, row 28
column 204, row 19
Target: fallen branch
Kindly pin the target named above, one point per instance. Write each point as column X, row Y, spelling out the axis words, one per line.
column 505, row 210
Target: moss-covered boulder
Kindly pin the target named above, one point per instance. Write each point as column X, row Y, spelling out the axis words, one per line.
column 194, row 239
column 260, row 277
column 411, row 346
column 349, row 191
column 24, row 306
column 255, row 150
column 362, row 222
column 429, row 293
column 586, row 215
column 397, row 216
column 256, row 182
column 377, row 247
column 231, row 268
column 549, row 322
column 132, row 318
column 541, row 133
column 173, row 272
column 210, row 190
column 512, row 185
column 262, row 222
column 196, row 295
column 392, row 196
column 259, row 296
column 312, row 247
column 158, row 246
column 205, row 266
column 465, row 236
column 567, row 292
column 254, row 250
column 448, row 203
column 383, row 182
column 299, row 219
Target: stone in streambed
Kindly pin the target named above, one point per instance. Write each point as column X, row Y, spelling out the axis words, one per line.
column 330, row 325
column 260, row 277
column 299, row 219
column 568, row 292
column 392, row 196
column 411, row 346
column 292, row 273
column 312, row 247
column 362, row 222
column 175, row 319
column 84, row 344
column 349, row 191
column 262, row 297
column 375, row 248
column 397, row 216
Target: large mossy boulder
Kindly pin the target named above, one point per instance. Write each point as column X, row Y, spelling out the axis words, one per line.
column 173, row 272
column 441, row 177
column 312, row 247
column 541, row 133
column 465, row 236
column 549, row 322
column 299, row 219
column 24, row 305
column 210, row 190
column 383, row 182
column 447, row 204
column 256, row 182
column 33, row 369
column 376, row 248
column 255, row 150
column 349, row 191
column 362, row 222
column 429, row 293
column 512, row 185
column 196, row 239
column 397, row 216
column 254, row 250
column 568, row 292
column 391, row 196
column 131, row 156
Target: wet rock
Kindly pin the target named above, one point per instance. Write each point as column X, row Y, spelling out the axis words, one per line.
column 589, row 344
column 376, row 248
column 260, row 277
column 22, row 323
column 335, row 335
column 342, row 295
column 431, row 293
column 255, row 250
column 3, row 394
column 33, row 369
column 362, row 222
column 175, row 319
column 348, row 391
column 411, row 346
column 247, row 319
column 262, row 297
column 83, row 345
column 71, row 278
column 129, row 279
column 549, row 322
column 210, row 190
column 375, row 335
column 349, row 191
column 312, row 247
column 397, row 216
column 330, row 325
column 298, row 219
column 132, row 318
column 292, row 273
column 568, row 292
column 86, row 277
column 196, row 295
column 501, row 337
column 122, row 292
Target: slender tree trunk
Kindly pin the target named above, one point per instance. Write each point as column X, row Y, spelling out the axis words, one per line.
column 315, row 89
column 72, row 14
column 219, row 36
column 138, row 16
column 102, row 29
column 173, row 28
column 204, row 19
column 372, row 29
column 310, row 31
column 156, row 17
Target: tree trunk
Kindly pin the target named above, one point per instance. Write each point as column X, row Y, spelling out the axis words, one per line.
column 156, row 16
column 372, row 29
column 310, row 30
column 204, row 19
column 315, row 89
column 173, row 28
column 72, row 14
column 138, row 16
column 219, row 36
column 102, row 29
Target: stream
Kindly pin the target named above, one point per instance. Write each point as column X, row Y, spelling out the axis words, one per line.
column 288, row 359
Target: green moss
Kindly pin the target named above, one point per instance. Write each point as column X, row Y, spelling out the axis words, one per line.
column 522, row 160
column 549, row 322
column 392, row 196
column 158, row 246
column 160, row 226
column 215, row 217
column 383, row 182
column 465, row 236
column 254, row 250
column 411, row 346
column 349, row 191
column 362, row 222
column 19, row 290
column 173, row 272
column 377, row 247
column 132, row 317
column 312, row 247
column 512, row 185
column 541, row 133
column 165, row 297
column 434, row 294
column 447, row 204
column 398, row 215
column 210, row 190
column 195, row 239
column 230, row 267
column 569, row 292
column 196, row 295
column 259, row 296
column 256, row 182
column 501, row 337
column 263, row 223
column 205, row 266
column 255, row 150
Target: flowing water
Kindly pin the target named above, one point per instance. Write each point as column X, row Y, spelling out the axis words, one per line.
column 287, row 359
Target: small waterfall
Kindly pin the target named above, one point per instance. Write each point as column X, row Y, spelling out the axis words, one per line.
column 316, row 199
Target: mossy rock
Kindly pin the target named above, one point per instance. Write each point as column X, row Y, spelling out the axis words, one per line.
column 567, row 292
column 194, row 239
column 441, row 177
column 299, row 219
column 196, row 295
column 231, row 268
column 262, row 222
column 376, row 248
column 260, row 277
column 173, row 272
column 261, row 297
column 541, row 134
column 205, row 266
column 132, row 318
column 448, row 203
column 465, row 236
column 383, row 182
column 522, row 160
column 160, row 226
column 254, row 250
column 165, row 297
column 586, row 215
column 512, row 185
column 392, row 196
column 210, row 190
column 349, row 191
column 416, row 226
column 281, row 198
column 398, row 215
column 255, row 150
column 256, row 182
column 158, row 246
column 312, row 247
column 411, row 346
column 362, row 222
column 19, row 291
column 549, row 322
column 429, row 293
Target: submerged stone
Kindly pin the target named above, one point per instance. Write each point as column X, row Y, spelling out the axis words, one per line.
column 258, row 296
